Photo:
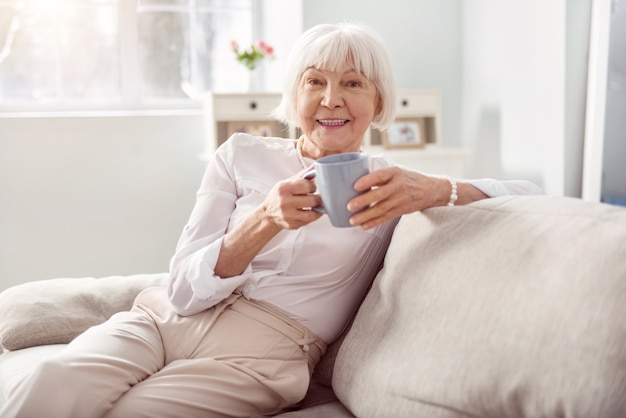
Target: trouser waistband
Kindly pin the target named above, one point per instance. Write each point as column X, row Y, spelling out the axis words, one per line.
column 310, row 343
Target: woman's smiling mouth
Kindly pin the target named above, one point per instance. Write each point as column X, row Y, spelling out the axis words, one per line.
column 332, row 122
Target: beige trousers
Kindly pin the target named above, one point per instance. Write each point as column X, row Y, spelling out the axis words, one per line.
column 240, row 358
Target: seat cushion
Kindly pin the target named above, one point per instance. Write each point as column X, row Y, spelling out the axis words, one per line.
column 331, row 410
column 508, row 307
column 14, row 365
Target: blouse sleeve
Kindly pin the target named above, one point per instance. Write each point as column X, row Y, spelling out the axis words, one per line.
column 496, row 188
column 193, row 285
column 491, row 187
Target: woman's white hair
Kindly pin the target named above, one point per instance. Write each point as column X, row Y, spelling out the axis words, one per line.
column 328, row 46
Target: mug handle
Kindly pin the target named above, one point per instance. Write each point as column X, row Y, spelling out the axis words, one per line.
column 308, row 176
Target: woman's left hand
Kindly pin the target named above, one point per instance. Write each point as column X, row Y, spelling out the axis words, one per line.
column 395, row 192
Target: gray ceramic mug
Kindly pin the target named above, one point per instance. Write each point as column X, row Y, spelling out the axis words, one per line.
column 335, row 176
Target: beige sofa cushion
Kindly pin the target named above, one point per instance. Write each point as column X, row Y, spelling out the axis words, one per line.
column 55, row 311
column 15, row 365
column 510, row 307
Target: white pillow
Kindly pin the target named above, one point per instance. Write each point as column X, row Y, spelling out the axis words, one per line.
column 509, row 307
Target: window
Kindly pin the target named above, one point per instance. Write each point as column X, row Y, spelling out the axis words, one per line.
column 65, row 53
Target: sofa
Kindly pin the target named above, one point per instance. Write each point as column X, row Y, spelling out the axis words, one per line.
column 508, row 307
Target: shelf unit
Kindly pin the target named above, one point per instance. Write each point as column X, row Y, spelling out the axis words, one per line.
column 416, row 103
column 226, row 112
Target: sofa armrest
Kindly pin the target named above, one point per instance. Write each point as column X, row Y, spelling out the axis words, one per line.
column 57, row 310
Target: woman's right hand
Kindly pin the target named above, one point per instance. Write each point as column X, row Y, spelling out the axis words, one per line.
column 288, row 204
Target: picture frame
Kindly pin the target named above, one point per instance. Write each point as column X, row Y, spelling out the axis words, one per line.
column 253, row 127
column 405, row 133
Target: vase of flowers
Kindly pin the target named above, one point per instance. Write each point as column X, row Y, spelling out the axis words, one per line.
column 251, row 57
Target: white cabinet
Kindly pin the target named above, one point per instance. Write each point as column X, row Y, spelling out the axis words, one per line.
column 422, row 104
column 228, row 113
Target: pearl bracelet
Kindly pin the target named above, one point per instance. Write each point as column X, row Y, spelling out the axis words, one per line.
column 453, row 192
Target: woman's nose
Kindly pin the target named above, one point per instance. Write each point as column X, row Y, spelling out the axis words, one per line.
column 332, row 97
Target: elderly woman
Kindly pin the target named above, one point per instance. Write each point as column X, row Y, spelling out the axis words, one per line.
column 259, row 283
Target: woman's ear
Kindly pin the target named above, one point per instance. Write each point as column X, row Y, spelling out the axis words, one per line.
column 379, row 106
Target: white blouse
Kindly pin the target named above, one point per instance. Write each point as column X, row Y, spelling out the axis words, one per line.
column 316, row 274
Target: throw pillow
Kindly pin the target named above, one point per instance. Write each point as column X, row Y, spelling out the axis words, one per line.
column 508, row 307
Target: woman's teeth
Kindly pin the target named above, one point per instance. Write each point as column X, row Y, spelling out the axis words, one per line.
column 334, row 122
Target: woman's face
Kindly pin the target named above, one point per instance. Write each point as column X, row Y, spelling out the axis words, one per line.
column 335, row 110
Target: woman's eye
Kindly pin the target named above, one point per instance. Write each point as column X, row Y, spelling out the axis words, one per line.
column 353, row 83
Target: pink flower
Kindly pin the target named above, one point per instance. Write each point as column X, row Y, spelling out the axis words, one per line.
column 252, row 55
column 264, row 47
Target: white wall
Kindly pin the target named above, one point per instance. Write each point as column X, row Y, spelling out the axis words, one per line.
column 524, row 84
column 282, row 23
column 512, row 75
column 576, row 60
column 94, row 196
column 513, row 89
column 424, row 40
